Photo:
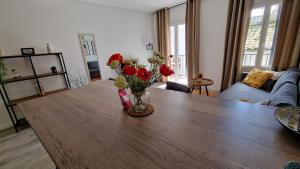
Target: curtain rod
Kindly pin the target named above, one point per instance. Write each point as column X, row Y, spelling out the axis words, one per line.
column 182, row 3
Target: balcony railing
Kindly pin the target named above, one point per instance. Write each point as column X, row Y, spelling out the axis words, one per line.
column 250, row 59
column 178, row 64
column 266, row 60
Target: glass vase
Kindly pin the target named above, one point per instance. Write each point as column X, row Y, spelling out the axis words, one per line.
column 140, row 100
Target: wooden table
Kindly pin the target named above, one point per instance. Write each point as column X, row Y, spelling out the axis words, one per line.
column 199, row 83
column 86, row 128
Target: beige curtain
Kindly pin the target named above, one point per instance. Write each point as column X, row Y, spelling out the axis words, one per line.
column 287, row 45
column 163, row 32
column 239, row 13
column 192, row 37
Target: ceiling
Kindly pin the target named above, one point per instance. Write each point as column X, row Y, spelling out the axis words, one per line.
column 141, row 5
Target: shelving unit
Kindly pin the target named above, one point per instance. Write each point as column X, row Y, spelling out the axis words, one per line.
column 10, row 103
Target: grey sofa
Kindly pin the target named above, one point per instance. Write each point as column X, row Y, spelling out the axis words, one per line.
column 285, row 92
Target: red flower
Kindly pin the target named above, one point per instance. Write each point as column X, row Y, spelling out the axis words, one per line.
column 165, row 70
column 129, row 70
column 117, row 57
column 143, row 74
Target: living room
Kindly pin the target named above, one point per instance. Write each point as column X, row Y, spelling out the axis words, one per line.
column 83, row 84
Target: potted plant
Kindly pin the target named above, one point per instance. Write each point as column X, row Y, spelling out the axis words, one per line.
column 138, row 78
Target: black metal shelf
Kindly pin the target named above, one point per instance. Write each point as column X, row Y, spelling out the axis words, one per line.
column 10, row 103
column 20, row 56
column 32, row 77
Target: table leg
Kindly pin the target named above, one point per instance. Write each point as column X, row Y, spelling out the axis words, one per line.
column 200, row 88
column 206, row 91
column 192, row 89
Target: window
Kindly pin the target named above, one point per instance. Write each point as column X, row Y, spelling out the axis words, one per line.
column 259, row 46
column 178, row 59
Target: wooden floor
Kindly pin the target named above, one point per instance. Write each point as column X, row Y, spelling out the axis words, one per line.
column 23, row 151
column 211, row 93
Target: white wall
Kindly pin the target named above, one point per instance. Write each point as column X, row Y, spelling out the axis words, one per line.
column 213, row 20
column 33, row 23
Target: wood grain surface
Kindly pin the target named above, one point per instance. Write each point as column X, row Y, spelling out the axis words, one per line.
column 86, row 129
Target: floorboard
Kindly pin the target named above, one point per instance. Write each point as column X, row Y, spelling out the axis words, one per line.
column 23, row 150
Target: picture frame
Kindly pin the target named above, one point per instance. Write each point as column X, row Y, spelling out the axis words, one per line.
column 86, row 48
column 93, row 47
column 27, row 51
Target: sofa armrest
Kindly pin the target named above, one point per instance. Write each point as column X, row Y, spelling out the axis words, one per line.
column 243, row 75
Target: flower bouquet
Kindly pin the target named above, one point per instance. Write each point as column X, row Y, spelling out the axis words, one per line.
column 138, row 78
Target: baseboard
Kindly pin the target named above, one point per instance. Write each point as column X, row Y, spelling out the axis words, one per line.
column 5, row 126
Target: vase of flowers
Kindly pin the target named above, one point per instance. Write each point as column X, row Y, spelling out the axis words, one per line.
column 137, row 78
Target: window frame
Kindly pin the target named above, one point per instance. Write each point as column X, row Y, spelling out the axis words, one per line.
column 267, row 5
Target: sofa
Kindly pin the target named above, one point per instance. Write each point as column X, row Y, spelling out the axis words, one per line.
column 284, row 92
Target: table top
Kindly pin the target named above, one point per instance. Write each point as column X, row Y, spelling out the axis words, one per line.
column 86, row 128
column 202, row 82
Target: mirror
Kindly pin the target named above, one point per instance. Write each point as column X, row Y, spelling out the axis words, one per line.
column 89, row 52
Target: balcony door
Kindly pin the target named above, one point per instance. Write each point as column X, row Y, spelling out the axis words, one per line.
column 178, row 58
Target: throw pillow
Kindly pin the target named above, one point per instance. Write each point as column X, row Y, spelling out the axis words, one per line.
column 257, row 78
column 268, row 86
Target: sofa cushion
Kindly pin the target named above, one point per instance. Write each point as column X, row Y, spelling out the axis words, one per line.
column 286, row 95
column 268, row 86
column 290, row 76
column 240, row 91
column 257, row 78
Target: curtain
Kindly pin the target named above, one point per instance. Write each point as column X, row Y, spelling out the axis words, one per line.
column 238, row 19
column 287, row 46
column 163, row 32
column 192, row 37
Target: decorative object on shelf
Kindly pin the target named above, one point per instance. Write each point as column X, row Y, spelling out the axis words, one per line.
column 49, row 48
column 53, row 69
column 289, row 117
column 27, row 51
column 15, row 74
column 2, row 71
column 137, row 78
column 149, row 46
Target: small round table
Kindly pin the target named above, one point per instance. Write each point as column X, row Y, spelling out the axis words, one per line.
column 198, row 83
